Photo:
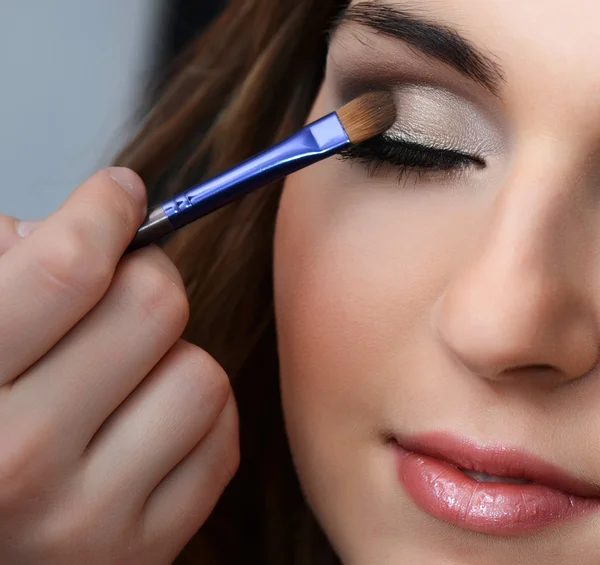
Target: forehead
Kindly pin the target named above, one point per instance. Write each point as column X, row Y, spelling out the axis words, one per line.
column 519, row 30
column 547, row 49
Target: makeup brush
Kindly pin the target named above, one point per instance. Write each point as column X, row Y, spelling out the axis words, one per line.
column 361, row 119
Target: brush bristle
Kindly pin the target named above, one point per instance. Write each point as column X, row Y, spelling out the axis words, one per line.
column 368, row 115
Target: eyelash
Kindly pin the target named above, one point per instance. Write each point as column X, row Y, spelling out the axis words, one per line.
column 407, row 157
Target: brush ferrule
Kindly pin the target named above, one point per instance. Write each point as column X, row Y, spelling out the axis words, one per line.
column 315, row 142
column 156, row 226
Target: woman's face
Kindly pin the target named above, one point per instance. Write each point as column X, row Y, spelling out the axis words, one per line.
column 442, row 312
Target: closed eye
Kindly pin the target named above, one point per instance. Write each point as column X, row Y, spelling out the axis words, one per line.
column 406, row 156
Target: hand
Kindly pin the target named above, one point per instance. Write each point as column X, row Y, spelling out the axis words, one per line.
column 116, row 437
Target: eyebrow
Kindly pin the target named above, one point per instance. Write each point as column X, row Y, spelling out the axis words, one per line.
column 433, row 39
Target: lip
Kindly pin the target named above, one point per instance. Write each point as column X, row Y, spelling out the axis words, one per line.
column 429, row 468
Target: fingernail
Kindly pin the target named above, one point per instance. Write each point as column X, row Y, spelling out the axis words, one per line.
column 130, row 182
column 25, row 228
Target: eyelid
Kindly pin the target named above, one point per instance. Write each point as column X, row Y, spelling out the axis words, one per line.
column 405, row 157
column 428, row 113
column 404, row 136
column 369, row 61
column 407, row 140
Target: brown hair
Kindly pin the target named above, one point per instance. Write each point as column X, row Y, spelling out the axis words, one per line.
column 245, row 84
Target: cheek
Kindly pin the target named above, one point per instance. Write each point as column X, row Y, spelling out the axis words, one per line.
column 359, row 264
column 358, row 267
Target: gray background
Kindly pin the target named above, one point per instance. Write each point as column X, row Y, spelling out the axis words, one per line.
column 71, row 74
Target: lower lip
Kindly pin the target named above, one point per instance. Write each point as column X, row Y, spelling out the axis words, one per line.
column 447, row 493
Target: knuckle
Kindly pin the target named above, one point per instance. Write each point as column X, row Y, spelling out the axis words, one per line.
column 207, row 363
column 231, row 462
column 203, row 376
column 228, row 464
column 73, row 530
column 71, row 263
column 161, row 298
column 82, row 523
column 231, row 444
column 70, row 530
column 225, row 438
column 22, row 464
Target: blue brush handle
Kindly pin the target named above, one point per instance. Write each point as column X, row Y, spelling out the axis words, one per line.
column 314, row 143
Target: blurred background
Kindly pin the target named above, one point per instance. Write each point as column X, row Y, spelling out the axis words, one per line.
column 74, row 75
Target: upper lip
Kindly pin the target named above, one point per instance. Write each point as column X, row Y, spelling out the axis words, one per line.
column 499, row 460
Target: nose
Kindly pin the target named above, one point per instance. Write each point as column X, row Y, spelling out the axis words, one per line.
column 523, row 308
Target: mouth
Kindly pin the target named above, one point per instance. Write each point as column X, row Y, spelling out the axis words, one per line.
column 485, row 478
column 495, row 489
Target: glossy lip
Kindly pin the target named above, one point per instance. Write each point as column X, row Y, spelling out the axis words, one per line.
column 502, row 461
column 431, row 469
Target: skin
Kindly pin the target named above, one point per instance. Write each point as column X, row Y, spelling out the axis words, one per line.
column 467, row 304
column 464, row 303
column 117, row 437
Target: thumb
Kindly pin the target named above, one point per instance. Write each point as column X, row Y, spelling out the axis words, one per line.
column 12, row 231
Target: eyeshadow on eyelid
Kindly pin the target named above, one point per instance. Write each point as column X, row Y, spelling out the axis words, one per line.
column 359, row 61
column 436, row 117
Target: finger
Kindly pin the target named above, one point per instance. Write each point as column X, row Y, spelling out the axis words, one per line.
column 182, row 502
column 26, row 228
column 61, row 270
column 160, row 423
column 95, row 367
column 9, row 236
